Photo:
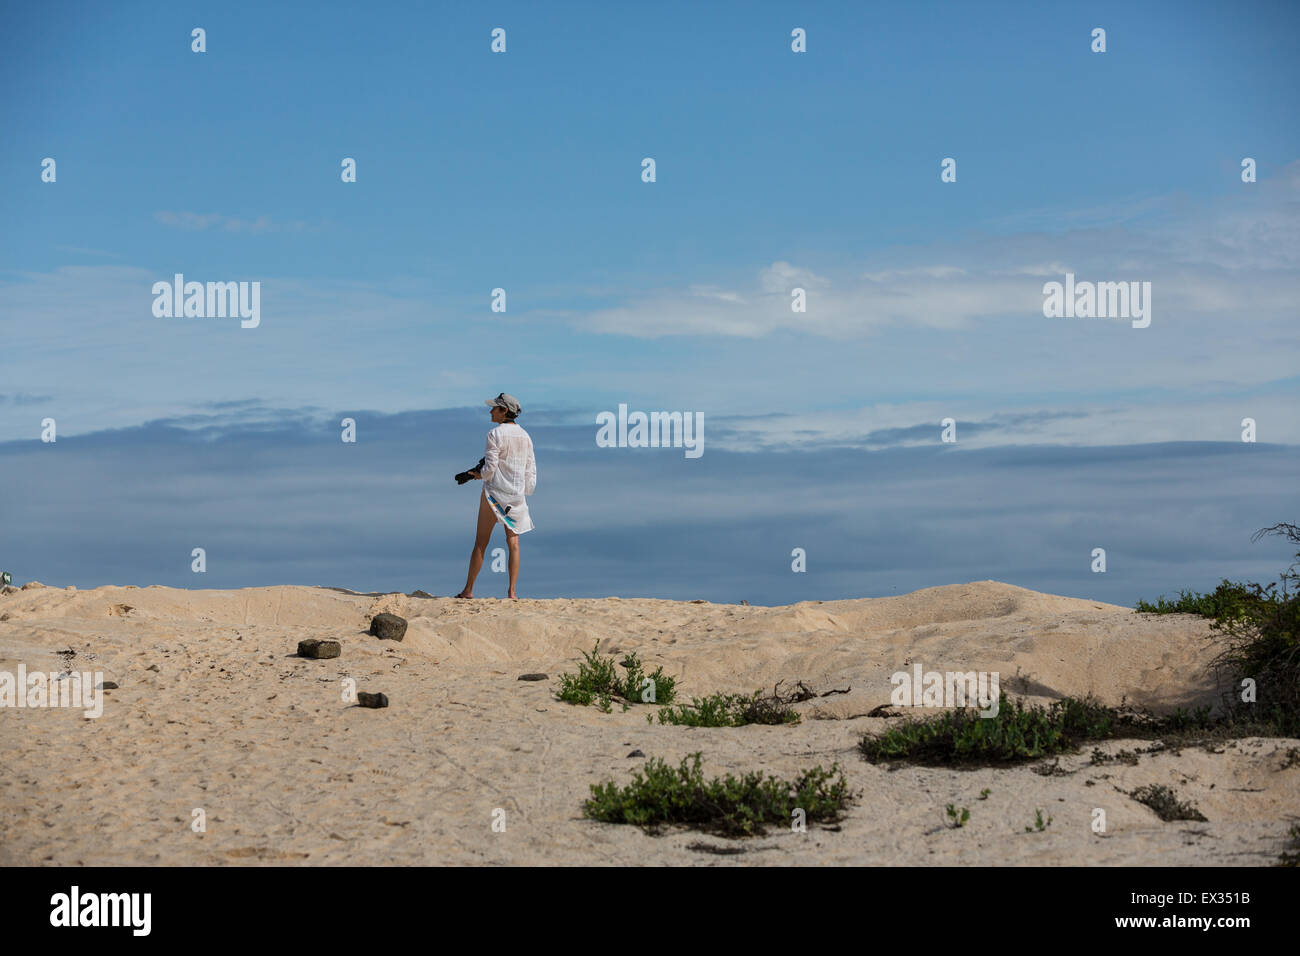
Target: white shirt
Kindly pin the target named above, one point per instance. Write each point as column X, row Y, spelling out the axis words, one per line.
column 509, row 473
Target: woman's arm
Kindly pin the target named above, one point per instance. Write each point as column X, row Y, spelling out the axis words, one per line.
column 530, row 472
column 490, row 457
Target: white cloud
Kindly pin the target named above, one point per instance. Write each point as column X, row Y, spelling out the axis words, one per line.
column 781, row 277
column 1237, row 258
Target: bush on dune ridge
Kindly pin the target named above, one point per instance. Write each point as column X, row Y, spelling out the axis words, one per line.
column 1258, row 627
column 1231, row 599
column 1018, row 732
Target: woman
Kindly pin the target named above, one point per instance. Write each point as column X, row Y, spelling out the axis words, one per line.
column 509, row 473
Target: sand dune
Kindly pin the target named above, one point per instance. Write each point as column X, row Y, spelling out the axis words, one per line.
column 215, row 711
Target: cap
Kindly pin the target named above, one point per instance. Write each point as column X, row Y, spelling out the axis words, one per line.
column 508, row 402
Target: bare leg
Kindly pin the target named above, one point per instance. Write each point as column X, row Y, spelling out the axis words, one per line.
column 486, row 521
column 512, row 542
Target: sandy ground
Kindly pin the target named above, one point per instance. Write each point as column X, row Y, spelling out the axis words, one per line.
column 215, row 712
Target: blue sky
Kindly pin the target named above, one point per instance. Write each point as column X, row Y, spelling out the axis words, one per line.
column 774, row 169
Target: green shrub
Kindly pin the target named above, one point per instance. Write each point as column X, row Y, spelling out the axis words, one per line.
column 1039, row 823
column 597, row 680
column 661, row 795
column 1019, row 732
column 1258, row 628
column 1228, row 601
column 731, row 710
column 1166, row 803
column 1263, row 646
column 1259, row 637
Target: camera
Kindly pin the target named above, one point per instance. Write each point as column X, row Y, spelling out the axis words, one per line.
column 465, row 476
